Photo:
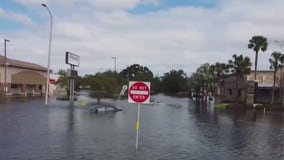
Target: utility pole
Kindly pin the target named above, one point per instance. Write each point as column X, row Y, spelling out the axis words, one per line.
column 114, row 63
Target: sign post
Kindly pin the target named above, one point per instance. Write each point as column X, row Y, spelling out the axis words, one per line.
column 137, row 126
column 73, row 60
column 139, row 93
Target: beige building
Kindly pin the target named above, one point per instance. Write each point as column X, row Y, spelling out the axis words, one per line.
column 21, row 78
column 265, row 78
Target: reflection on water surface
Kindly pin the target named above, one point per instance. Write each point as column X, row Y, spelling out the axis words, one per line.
column 172, row 129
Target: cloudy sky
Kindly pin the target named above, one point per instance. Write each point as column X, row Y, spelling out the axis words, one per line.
column 160, row 34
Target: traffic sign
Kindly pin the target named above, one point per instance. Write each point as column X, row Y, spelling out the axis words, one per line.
column 124, row 88
column 52, row 81
column 139, row 92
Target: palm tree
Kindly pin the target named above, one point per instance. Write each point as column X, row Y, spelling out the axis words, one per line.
column 240, row 66
column 63, row 82
column 257, row 43
column 219, row 70
column 275, row 64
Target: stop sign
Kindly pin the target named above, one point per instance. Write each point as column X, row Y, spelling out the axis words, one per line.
column 139, row 92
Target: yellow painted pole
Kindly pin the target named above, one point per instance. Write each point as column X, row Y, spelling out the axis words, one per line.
column 264, row 110
column 137, row 125
column 83, row 103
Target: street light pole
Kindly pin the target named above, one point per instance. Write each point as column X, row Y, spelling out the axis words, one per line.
column 5, row 71
column 49, row 51
column 114, row 63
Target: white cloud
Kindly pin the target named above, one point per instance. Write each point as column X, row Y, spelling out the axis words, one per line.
column 2, row 13
column 22, row 19
column 96, row 4
column 177, row 38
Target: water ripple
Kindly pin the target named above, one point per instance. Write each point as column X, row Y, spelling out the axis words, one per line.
column 175, row 130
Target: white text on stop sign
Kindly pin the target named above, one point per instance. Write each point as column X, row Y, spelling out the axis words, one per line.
column 139, row 97
column 139, row 92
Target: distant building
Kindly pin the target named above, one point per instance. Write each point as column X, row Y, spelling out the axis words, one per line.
column 21, row 78
column 226, row 89
column 54, row 87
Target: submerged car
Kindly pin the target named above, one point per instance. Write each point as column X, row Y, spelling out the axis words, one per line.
column 103, row 108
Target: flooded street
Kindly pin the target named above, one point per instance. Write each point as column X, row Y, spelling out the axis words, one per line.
column 173, row 129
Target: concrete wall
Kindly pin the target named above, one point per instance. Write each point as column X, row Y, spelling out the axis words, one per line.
column 21, row 80
column 265, row 77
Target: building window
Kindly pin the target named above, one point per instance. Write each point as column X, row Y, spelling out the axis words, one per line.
column 16, row 88
column 239, row 92
column 14, row 85
column 230, row 92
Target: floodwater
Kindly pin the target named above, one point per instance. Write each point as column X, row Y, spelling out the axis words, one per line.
column 173, row 129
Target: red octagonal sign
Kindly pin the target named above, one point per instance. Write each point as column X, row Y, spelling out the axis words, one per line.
column 139, row 92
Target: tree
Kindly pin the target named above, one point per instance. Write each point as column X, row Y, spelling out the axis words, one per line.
column 194, row 82
column 105, row 81
column 156, row 86
column 86, row 81
column 205, row 73
column 257, row 43
column 218, row 70
column 174, row 81
column 275, row 64
column 62, row 72
column 103, row 84
column 78, row 83
column 136, row 72
column 206, row 77
column 62, row 81
column 240, row 66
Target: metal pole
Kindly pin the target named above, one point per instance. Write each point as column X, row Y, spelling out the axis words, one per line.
column 71, row 96
column 128, row 74
column 114, row 63
column 137, row 125
column 70, row 86
column 49, row 52
column 5, row 71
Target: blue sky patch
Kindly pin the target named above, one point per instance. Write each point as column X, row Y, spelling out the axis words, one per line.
column 12, row 6
column 166, row 4
column 9, row 25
